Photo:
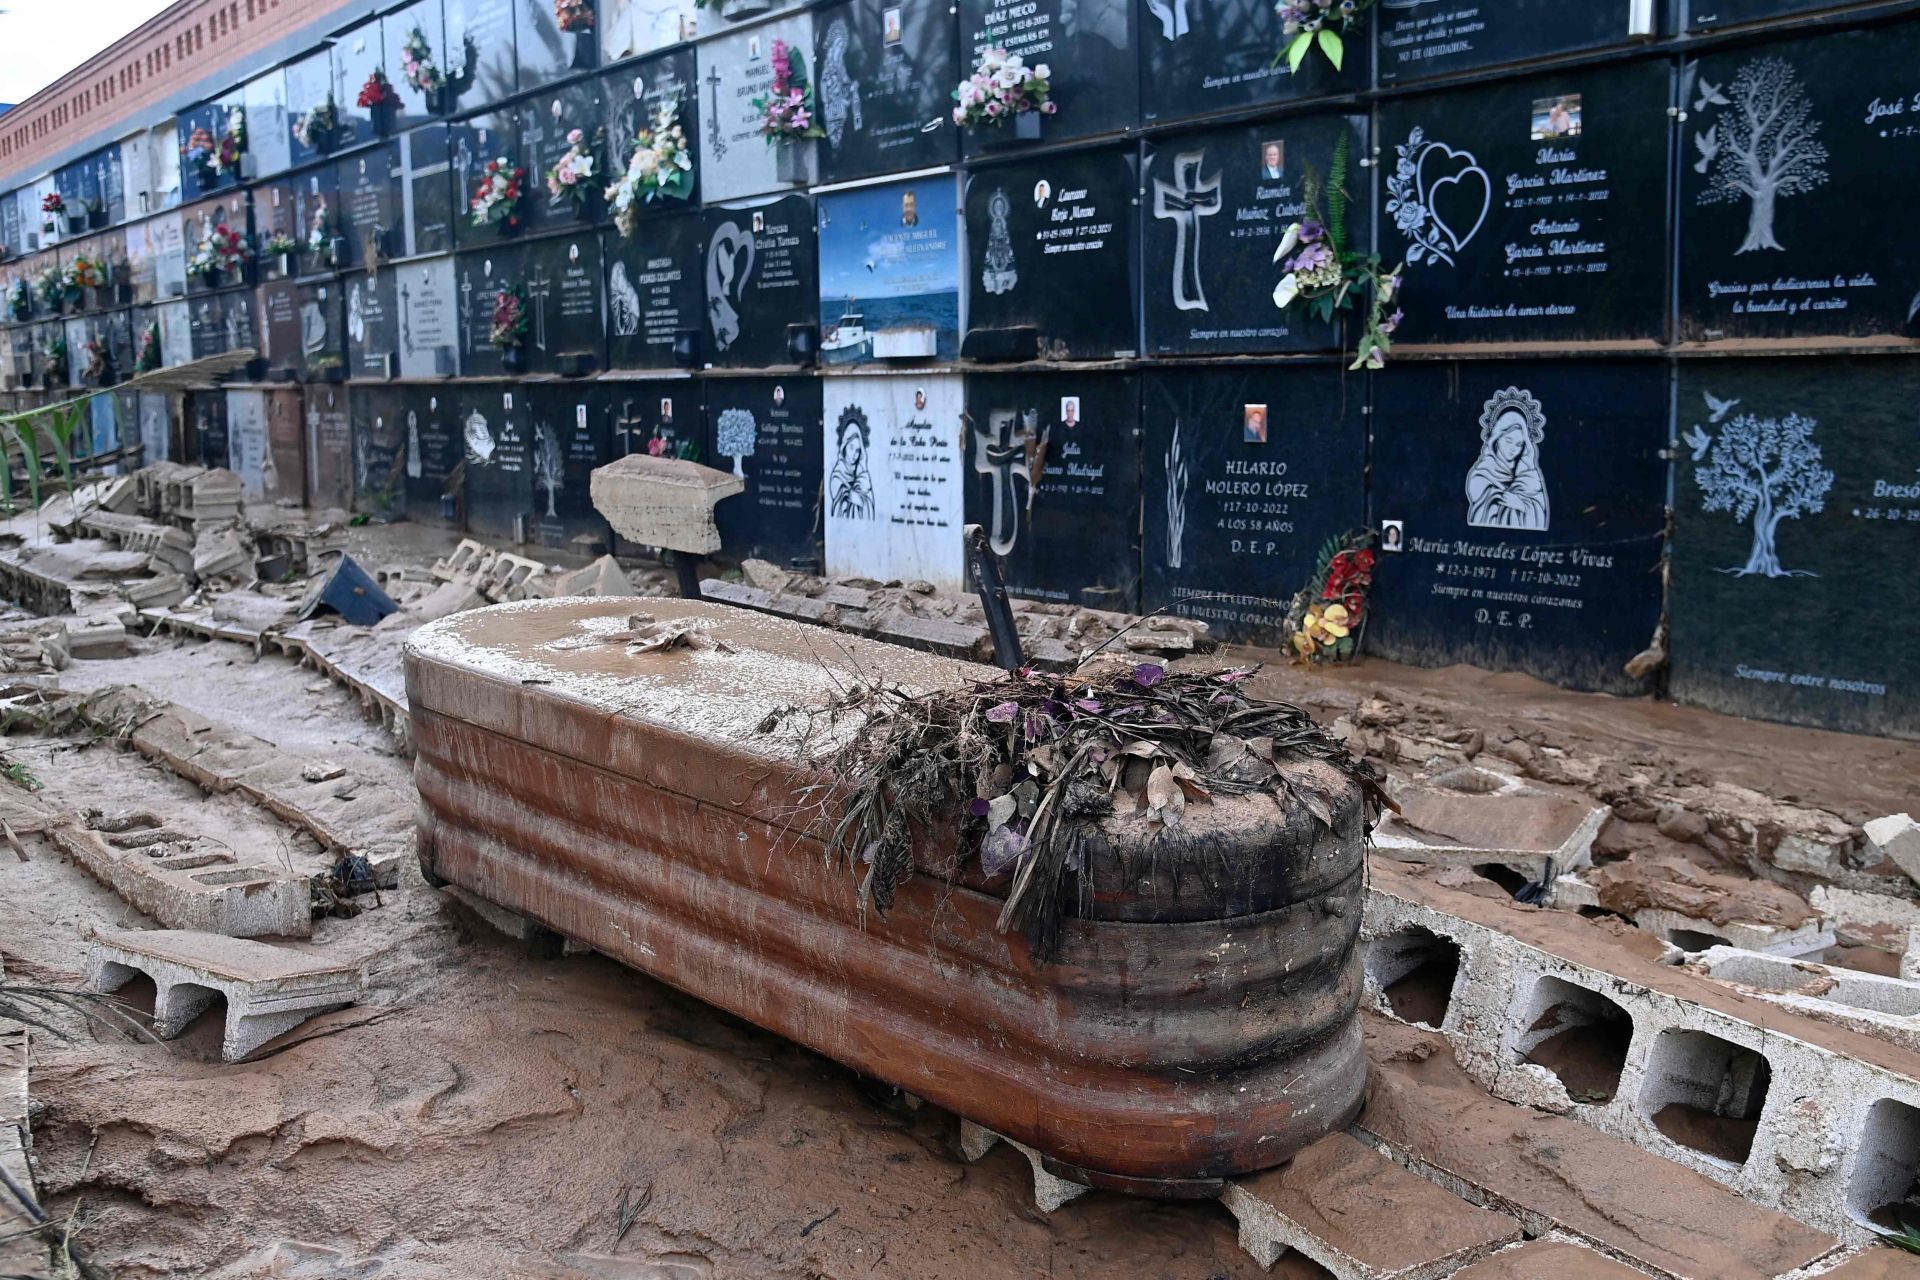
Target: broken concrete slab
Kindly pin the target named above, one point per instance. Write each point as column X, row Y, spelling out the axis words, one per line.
column 1540, row 1259
column 1050, row 1191
column 1361, row 1216
column 663, row 502
column 268, row 990
column 1896, row 837
column 1522, row 827
column 604, row 577
column 204, row 891
column 1694, row 909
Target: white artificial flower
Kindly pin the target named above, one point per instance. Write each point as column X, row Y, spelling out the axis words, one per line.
column 1286, row 291
column 1287, row 243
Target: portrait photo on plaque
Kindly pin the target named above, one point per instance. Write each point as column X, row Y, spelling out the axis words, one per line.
column 1530, row 503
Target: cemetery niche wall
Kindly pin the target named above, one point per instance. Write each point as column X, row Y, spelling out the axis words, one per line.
column 1246, row 471
column 890, row 272
column 1526, row 211
column 498, row 463
column 1781, row 139
column 431, row 446
column 378, row 444
column 1214, row 208
column 1053, row 476
column 768, row 432
column 893, row 463
column 1050, row 246
column 1521, row 508
column 1796, row 526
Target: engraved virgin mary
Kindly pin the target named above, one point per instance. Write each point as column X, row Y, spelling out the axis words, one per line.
column 1506, row 488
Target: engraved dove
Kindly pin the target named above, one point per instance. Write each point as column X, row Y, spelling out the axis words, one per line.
column 1697, row 439
column 1708, row 145
column 1709, row 96
column 1718, row 408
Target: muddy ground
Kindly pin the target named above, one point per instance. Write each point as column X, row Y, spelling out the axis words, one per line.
column 488, row 1114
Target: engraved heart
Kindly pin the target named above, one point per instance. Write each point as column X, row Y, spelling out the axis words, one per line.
column 1455, row 191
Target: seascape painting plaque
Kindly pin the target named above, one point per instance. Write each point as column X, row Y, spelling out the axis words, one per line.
column 1522, row 210
column 760, row 275
column 629, row 28
column 636, row 94
column 1198, row 59
column 370, row 213
column 571, row 436
column 426, row 162
column 497, row 433
column 884, row 72
column 546, row 122
column 563, row 284
column 1245, row 473
column 1420, row 38
column 482, row 31
column 654, row 290
column 889, row 272
column 1216, row 207
column 477, row 141
column 1053, row 476
column 768, row 432
column 1050, row 247
column 1778, row 141
column 373, row 322
column 1520, row 507
column 479, row 278
column 895, row 488
column 734, row 70
column 431, row 446
column 430, row 334
column 1797, row 495
column 1086, row 47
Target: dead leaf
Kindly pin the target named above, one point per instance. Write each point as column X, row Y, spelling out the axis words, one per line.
column 1166, row 802
column 1190, row 782
column 1142, row 748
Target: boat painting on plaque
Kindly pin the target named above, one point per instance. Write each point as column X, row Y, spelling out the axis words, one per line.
column 1521, row 210
column 1215, row 209
column 895, row 497
column 1775, row 141
column 890, row 272
column 1797, row 496
column 1526, row 506
column 884, row 72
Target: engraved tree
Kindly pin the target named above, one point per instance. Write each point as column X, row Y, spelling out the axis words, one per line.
column 1767, row 469
column 1176, row 502
column 1763, row 146
column 549, row 465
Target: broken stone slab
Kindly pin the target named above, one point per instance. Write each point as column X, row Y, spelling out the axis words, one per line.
column 1538, row 1259
column 604, row 577
column 95, row 637
column 1050, row 1191
column 1361, row 1216
column 1878, row 1262
column 663, row 502
column 212, row 895
column 765, row 575
column 1877, row 920
column 1896, row 837
column 1694, row 921
column 268, row 990
column 1522, row 828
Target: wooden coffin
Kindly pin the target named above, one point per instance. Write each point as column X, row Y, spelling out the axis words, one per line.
column 1199, row 1020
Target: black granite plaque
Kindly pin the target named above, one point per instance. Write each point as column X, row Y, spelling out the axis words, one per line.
column 276, row 214
column 1050, row 247
column 481, row 31
column 356, row 53
column 196, row 179
column 1708, row 15
column 110, row 177
column 1086, row 47
column 654, row 290
column 1196, row 60
column 1796, row 523
column 572, row 434
column 324, row 428
column 421, row 25
column 221, row 322
column 1778, row 142
column 479, row 278
column 206, row 415
column 475, row 142
column 1216, row 207
column 116, row 329
column 1245, row 474
column 1420, row 38
column 1527, row 501
column 373, row 322
column 379, row 453
column 761, row 271
column 1074, row 536
column 545, row 53
column 427, row 299
column 659, row 416
column 316, row 211
column 546, row 122
column 1526, row 212
column 426, row 156
column 564, row 285
column 309, row 88
column 280, row 325
column 884, row 72
column 635, row 93
column 370, row 205
column 433, row 445
column 768, row 430
column 498, row 433
column 323, row 339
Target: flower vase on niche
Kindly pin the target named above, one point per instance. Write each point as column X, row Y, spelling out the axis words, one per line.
column 385, row 115
column 575, row 19
column 513, row 360
column 793, row 163
column 381, row 101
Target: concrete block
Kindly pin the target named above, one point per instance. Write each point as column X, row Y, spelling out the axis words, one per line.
column 1694, row 933
column 1873, row 919
column 268, row 990
column 1897, row 837
column 214, row 895
column 1871, row 1003
column 1361, row 1216
column 1050, row 1191
column 1522, row 828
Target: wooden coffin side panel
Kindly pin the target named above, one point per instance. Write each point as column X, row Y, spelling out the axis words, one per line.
column 1149, row 1051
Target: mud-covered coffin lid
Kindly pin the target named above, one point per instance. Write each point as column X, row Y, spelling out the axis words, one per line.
column 554, row 675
